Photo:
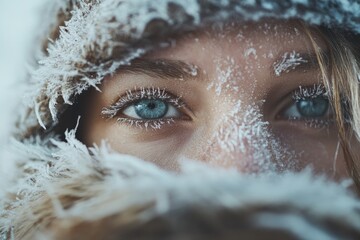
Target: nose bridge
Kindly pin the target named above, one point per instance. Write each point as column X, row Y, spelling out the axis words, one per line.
column 241, row 139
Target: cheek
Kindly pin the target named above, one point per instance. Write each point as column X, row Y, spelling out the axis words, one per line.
column 227, row 143
column 163, row 147
column 319, row 149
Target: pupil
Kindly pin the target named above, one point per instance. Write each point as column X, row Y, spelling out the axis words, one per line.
column 151, row 105
column 315, row 107
column 151, row 108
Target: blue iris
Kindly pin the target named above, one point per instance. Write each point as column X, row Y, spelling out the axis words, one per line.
column 313, row 107
column 151, row 108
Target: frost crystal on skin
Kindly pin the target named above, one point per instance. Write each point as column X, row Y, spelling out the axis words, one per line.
column 228, row 74
column 288, row 62
column 244, row 131
column 250, row 51
column 192, row 70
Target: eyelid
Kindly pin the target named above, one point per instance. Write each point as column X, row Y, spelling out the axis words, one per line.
column 309, row 92
column 302, row 93
column 171, row 110
column 131, row 96
column 164, row 68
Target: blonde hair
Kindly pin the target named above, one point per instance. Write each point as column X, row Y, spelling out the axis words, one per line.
column 340, row 72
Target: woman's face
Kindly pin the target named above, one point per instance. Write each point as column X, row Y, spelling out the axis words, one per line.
column 245, row 96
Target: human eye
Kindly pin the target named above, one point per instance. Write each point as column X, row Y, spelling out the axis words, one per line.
column 147, row 108
column 309, row 105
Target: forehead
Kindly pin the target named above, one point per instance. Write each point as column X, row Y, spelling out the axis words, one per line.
column 249, row 55
column 245, row 42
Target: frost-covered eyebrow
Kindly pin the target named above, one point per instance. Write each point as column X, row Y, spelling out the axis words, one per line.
column 296, row 62
column 162, row 68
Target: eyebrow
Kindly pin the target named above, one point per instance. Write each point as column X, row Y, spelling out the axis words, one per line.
column 162, row 68
column 180, row 70
column 296, row 62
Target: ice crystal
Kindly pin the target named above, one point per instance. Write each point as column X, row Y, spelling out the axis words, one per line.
column 288, row 62
column 228, row 73
column 244, row 131
column 250, row 51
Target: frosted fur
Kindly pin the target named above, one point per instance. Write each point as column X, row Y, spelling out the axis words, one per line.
column 95, row 28
column 111, row 183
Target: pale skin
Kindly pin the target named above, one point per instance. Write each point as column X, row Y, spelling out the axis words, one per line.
column 229, row 107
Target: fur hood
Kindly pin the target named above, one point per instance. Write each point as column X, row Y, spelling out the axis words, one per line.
column 64, row 190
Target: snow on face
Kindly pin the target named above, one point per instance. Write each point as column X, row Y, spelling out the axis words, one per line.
column 288, row 62
column 243, row 141
column 239, row 113
column 225, row 69
column 243, row 137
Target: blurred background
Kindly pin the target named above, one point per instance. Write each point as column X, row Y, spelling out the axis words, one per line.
column 18, row 22
column 18, row 19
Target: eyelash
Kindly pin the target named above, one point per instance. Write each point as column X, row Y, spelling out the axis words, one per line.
column 312, row 92
column 146, row 124
column 132, row 96
column 317, row 90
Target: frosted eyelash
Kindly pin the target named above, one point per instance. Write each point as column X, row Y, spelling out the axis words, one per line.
column 315, row 123
column 146, row 124
column 315, row 91
column 303, row 93
column 142, row 93
column 318, row 123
